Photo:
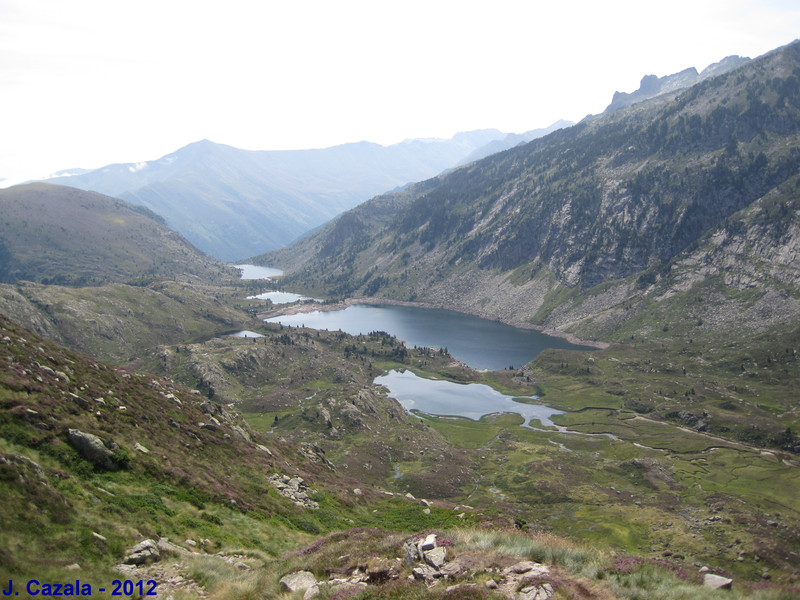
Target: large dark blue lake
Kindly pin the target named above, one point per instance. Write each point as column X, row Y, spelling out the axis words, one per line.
column 479, row 343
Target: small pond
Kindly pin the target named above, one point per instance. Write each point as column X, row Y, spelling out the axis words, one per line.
column 469, row 400
column 256, row 272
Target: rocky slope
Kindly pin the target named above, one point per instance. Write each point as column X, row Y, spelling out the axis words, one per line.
column 594, row 214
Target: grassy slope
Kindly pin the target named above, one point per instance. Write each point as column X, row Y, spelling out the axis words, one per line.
column 61, row 235
column 197, row 483
column 655, row 489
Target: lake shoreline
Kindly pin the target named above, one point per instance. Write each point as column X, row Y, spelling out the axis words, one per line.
column 308, row 307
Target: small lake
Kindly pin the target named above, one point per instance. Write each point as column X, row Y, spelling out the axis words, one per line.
column 470, row 400
column 246, row 334
column 282, row 297
column 479, row 343
column 256, row 272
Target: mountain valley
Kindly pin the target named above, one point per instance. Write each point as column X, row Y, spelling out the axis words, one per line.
column 141, row 440
column 233, row 203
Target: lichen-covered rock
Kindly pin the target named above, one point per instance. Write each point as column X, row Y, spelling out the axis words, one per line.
column 436, row 557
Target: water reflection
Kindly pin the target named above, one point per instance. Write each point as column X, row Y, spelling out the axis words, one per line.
column 256, row 272
column 470, row 400
column 479, row 343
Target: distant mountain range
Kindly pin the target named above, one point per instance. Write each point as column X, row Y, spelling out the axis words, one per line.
column 234, row 203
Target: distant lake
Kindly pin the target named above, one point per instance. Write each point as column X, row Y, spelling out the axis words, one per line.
column 256, row 272
column 246, row 334
column 282, row 297
column 479, row 343
column 470, row 400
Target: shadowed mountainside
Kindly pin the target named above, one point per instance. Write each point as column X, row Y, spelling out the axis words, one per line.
column 60, row 235
column 580, row 229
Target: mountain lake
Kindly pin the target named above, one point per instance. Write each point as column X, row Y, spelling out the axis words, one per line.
column 470, row 400
column 479, row 343
column 256, row 272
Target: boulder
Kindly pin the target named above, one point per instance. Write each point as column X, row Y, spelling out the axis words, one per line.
column 167, row 547
column 411, row 553
column 529, row 568
column 429, row 543
column 93, row 449
column 241, row 432
column 436, row 557
column 298, row 581
column 425, row 573
column 717, row 582
column 536, row 592
column 142, row 552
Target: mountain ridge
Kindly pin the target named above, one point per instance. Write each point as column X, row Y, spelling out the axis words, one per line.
column 234, row 203
column 652, row 85
column 610, row 199
column 62, row 235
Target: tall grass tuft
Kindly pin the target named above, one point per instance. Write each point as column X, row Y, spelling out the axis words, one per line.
column 542, row 548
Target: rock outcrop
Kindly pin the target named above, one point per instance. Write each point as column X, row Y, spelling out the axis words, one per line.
column 94, row 449
column 144, row 551
column 295, row 489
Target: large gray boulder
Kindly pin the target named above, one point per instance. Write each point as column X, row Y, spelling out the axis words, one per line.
column 717, row 582
column 298, row 581
column 436, row 557
column 93, row 449
column 142, row 552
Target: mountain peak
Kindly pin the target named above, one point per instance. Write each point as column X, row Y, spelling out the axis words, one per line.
column 652, row 85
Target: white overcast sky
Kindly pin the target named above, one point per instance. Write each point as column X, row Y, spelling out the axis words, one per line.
column 84, row 83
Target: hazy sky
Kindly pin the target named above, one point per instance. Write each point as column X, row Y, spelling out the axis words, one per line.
column 84, row 83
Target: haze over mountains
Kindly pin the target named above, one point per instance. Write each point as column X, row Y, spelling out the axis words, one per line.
column 234, row 203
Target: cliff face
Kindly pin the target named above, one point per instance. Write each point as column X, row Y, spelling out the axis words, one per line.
column 615, row 201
